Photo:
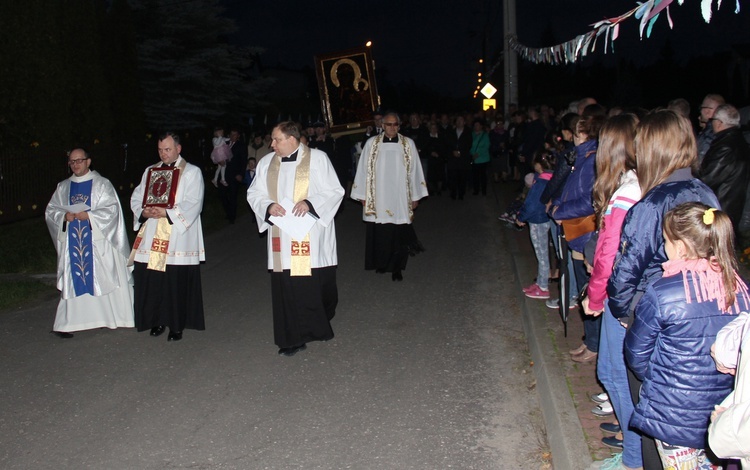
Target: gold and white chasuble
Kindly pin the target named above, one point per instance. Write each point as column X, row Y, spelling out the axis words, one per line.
column 324, row 193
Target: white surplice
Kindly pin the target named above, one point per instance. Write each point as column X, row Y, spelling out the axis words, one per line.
column 324, row 193
column 391, row 197
column 111, row 306
column 186, row 239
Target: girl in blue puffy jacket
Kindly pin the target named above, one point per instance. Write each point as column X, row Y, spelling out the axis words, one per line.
column 676, row 322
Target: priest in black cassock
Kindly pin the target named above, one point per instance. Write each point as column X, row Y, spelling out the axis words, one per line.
column 169, row 248
column 295, row 195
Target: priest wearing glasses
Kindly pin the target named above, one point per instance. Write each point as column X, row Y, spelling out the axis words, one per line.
column 85, row 221
column 389, row 183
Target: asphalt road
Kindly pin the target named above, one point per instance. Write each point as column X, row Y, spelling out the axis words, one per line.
column 429, row 373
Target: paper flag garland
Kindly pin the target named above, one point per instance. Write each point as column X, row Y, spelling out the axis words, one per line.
column 647, row 12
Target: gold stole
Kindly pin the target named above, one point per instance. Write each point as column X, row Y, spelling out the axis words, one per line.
column 371, row 169
column 157, row 257
column 300, row 250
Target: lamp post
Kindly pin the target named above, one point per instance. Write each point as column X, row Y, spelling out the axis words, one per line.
column 510, row 61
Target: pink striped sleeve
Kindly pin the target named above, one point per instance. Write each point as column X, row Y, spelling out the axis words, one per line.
column 606, row 250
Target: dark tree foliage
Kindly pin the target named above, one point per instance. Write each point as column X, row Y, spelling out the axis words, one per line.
column 78, row 71
column 122, row 73
column 190, row 76
column 51, row 74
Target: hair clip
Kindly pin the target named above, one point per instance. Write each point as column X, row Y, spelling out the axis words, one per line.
column 708, row 216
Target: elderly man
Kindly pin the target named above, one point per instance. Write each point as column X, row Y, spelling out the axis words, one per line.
column 389, row 182
column 169, row 247
column 726, row 166
column 706, row 134
column 85, row 221
column 296, row 194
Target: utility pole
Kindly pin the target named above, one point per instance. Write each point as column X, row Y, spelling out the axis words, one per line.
column 510, row 61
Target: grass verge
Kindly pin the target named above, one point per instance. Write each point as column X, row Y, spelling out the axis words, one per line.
column 15, row 293
column 32, row 252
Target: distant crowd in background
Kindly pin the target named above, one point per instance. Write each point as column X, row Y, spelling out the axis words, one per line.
column 463, row 151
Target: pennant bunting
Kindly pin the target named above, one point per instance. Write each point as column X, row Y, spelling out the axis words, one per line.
column 647, row 13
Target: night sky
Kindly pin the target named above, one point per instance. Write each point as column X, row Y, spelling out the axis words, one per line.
column 438, row 42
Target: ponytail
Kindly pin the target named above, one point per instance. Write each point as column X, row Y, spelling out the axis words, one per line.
column 709, row 234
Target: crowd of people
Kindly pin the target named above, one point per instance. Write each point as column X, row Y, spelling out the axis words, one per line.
column 642, row 211
column 649, row 211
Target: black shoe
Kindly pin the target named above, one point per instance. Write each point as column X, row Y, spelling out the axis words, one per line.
column 174, row 336
column 292, row 351
column 612, row 442
column 157, row 330
column 62, row 334
column 611, row 428
column 396, row 276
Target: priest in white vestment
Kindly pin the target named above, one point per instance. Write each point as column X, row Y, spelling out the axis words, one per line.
column 302, row 265
column 169, row 249
column 85, row 221
column 389, row 183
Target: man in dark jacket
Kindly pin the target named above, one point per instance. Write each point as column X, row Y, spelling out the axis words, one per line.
column 726, row 167
column 706, row 135
column 459, row 142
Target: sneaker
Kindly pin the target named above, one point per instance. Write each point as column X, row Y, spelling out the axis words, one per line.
column 612, row 463
column 537, row 293
column 610, row 428
column 555, row 304
column 215, row 183
column 612, row 442
column 530, row 288
column 224, row 183
column 604, row 409
column 599, row 397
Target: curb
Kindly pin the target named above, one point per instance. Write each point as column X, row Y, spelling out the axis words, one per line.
column 564, row 431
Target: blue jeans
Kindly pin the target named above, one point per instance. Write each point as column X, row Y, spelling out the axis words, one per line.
column 613, row 373
column 540, row 240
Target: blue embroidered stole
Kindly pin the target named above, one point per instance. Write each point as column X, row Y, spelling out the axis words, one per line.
column 80, row 248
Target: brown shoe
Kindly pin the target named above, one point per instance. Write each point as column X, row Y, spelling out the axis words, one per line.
column 578, row 350
column 585, row 356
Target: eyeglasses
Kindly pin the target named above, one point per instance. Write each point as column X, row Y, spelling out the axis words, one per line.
column 390, row 124
column 77, row 161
